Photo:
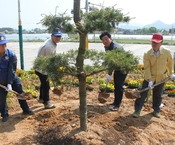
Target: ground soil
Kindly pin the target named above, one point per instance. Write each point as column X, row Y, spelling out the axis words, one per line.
column 61, row 125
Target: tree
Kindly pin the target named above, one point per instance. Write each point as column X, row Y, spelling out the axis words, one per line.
column 103, row 19
column 58, row 65
column 57, row 20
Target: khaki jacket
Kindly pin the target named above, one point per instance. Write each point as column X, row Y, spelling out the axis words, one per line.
column 158, row 68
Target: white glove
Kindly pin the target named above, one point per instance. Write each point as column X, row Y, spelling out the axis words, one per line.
column 108, row 77
column 9, row 87
column 150, row 85
column 172, row 76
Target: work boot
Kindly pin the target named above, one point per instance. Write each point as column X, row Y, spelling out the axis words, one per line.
column 28, row 113
column 136, row 114
column 49, row 105
column 156, row 114
column 5, row 118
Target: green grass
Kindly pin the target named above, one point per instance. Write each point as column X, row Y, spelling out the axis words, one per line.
column 135, row 41
column 122, row 41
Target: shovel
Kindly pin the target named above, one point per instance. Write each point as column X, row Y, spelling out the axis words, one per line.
column 135, row 93
column 102, row 96
column 19, row 96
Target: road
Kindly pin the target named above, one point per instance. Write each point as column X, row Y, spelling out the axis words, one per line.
column 30, row 50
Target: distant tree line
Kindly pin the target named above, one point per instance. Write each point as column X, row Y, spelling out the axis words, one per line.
column 8, row 30
column 146, row 31
column 143, row 31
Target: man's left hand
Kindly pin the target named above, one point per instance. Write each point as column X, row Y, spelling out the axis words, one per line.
column 9, row 87
column 108, row 77
column 172, row 76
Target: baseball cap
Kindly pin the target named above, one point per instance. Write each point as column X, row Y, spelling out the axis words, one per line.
column 57, row 32
column 157, row 38
column 3, row 39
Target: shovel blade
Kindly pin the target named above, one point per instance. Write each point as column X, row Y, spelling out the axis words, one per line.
column 132, row 94
column 102, row 97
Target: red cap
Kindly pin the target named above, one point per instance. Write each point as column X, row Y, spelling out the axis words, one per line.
column 157, row 38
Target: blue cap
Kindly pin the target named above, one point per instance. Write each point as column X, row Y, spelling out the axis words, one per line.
column 57, row 32
column 3, row 39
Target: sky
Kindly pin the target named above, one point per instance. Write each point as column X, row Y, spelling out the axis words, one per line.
column 143, row 11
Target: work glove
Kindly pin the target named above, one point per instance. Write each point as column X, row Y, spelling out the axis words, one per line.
column 150, row 85
column 172, row 76
column 108, row 77
column 9, row 87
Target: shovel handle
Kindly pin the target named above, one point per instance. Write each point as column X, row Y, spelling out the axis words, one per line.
column 163, row 81
column 19, row 96
column 4, row 87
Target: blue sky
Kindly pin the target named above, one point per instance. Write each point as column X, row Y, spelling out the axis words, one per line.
column 144, row 11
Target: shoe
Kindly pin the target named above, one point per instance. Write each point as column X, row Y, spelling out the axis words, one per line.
column 28, row 113
column 5, row 118
column 161, row 105
column 156, row 114
column 48, row 105
column 40, row 101
column 136, row 114
column 115, row 108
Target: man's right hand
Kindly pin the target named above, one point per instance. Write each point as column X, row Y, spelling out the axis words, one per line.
column 150, row 85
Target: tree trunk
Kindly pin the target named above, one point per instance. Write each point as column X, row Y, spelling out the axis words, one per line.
column 79, row 65
column 83, row 103
column 82, row 82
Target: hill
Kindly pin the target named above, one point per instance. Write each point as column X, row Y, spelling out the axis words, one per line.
column 158, row 24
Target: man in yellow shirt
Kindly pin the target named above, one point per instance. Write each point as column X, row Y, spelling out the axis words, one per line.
column 158, row 64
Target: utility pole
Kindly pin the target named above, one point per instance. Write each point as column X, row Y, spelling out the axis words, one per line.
column 87, row 7
column 20, row 36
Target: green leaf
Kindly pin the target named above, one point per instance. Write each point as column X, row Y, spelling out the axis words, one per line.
column 121, row 60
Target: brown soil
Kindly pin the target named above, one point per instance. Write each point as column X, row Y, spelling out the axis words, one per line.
column 60, row 126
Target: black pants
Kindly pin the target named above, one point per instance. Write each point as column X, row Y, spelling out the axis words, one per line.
column 44, row 87
column 119, row 79
column 157, row 97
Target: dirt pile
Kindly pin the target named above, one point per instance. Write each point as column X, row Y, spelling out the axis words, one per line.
column 60, row 126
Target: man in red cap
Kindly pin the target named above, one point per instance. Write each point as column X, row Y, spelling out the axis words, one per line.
column 158, row 64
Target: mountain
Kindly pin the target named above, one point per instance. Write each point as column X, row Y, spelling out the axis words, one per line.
column 158, row 24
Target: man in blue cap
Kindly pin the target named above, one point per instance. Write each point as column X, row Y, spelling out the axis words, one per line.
column 9, row 79
column 48, row 48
